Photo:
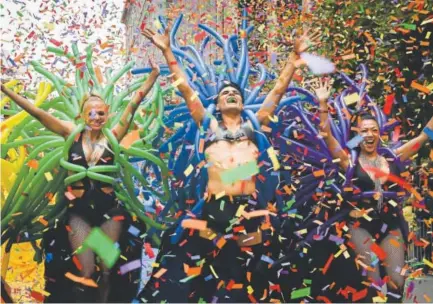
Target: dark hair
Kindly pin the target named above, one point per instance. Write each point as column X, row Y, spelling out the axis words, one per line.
column 233, row 85
column 368, row 116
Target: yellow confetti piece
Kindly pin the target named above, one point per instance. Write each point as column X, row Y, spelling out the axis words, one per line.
column 346, row 254
column 213, row 272
column 240, row 210
column 367, row 217
column 302, row 231
column 177, row 82
column 352, row 98
column 273, row 157
column 428, row 263
column 379, row 299
column 220, row 195
column 273, row 118
column 157, row 24
column 188, row 170
column 250, row 289
column 195, row 95
column 48, row 176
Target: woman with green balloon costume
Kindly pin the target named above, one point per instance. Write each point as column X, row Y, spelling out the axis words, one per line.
column 89, row 156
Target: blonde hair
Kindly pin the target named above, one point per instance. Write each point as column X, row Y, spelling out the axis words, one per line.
column 87, row 96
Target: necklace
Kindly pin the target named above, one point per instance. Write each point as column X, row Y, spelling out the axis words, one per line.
column 375, row 163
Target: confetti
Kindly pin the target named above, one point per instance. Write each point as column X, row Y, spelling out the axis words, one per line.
column 103, row 246
column 241, row 172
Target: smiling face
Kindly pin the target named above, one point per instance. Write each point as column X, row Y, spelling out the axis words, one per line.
column 369, row 129
column 229, row 100
column 95, row 113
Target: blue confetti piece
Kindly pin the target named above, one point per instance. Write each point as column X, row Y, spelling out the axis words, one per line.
column 354, row 142
column 49, row 257
column 267, row 259
column 134, row 230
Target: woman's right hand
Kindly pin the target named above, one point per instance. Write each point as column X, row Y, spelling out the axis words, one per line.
column 161, row 41
column 322, row 89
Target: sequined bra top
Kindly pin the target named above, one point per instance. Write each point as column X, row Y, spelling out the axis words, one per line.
column 245, row 132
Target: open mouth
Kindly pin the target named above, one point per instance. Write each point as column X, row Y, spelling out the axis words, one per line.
column 369, row 142
column 231, row 100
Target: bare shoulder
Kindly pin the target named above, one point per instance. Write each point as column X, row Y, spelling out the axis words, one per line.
column 213, row 124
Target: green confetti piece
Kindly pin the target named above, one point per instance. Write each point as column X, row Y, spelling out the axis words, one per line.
column 328, row 182
column 184, row 280
column 289, row 204
column 103, row 246
column 300, row 293
column 307, row 281
column 222, row 205
column 409, row 26
column 240, row 173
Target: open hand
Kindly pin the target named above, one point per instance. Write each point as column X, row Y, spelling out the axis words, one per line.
column 307, row 40
column 322, row 88
column 161, row 41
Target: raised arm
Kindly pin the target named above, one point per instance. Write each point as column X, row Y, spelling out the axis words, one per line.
column 412, row 147
column 323, row 91
column 52, row 123
column 294, row 61
column 162, row 41
column 121, row 128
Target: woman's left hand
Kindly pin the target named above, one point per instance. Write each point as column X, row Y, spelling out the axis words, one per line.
column 305, row 41
column 154, row 66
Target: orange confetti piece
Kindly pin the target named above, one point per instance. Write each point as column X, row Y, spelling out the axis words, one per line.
column 319, row 173
column 328, row 263
column 193, row 271
column 33, row 164
column 381, row 254
column 160, row 273
column 394, row 242
column 221, row 242
column 81, row 280
column 77, row 262
column 419, row 87
column 98, row 74
column 43, row 221
column 194, row 224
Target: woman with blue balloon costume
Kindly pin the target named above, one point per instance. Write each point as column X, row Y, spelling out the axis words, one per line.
column 224, row 254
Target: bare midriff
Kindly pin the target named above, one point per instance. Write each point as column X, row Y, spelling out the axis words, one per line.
column 224, row 155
